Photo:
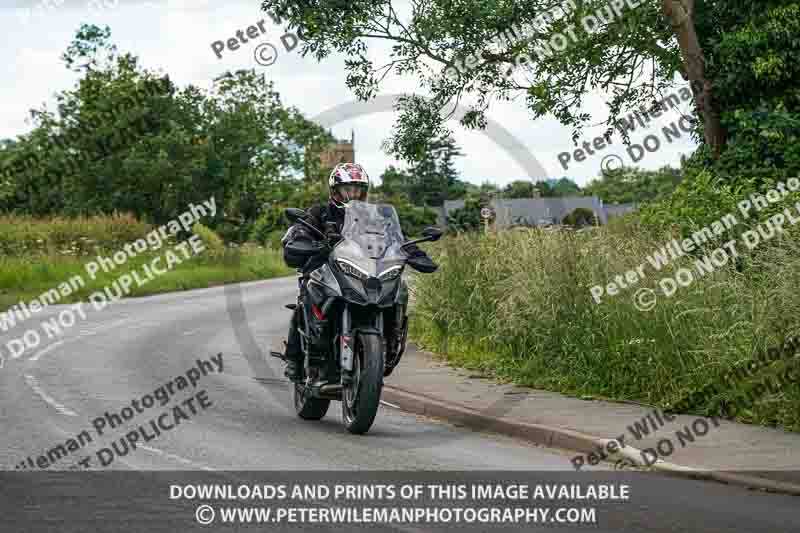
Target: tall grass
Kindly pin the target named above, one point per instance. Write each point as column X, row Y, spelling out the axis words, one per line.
column 37, row 255
column 23, row 236
column 517, row 305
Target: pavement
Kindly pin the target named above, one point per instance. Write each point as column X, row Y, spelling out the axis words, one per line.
column 247, row 428
column 755, row 456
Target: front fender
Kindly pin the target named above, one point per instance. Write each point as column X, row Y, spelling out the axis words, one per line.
column 401, row 297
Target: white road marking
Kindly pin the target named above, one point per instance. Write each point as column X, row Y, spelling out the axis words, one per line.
column 81, row 334
column 176, row 458
column 114, row 324
column 192, row 331
column 64, row 432
column 38, row 390
column 37, row 355
column 390, row 404
column 34, row 385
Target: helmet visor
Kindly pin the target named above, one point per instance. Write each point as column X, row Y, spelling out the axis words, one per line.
column 351, row 191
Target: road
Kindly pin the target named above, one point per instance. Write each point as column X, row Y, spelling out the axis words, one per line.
column 56, row 390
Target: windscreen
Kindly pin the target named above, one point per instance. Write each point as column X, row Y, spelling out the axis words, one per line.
column 372, row 237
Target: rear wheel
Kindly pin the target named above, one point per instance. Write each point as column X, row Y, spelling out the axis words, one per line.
column 308, row 408
column 360, row 400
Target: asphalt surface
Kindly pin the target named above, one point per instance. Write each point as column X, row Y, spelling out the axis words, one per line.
column 56, row 390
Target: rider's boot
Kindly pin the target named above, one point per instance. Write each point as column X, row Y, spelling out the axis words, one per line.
column 293, row 369
column 294, row 366
column 293, row 354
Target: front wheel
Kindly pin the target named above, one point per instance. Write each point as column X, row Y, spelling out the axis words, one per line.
column 360, row 399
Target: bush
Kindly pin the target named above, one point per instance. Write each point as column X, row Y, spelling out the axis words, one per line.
column 467, row 218
column 274, row 240
column 261, row 230
column 234, row 232
column 580, row 217
column 267, row 225
column 695, row 203
column 414, row 219
column 215, row 246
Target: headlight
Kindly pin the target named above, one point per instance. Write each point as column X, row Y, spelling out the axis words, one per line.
column 351, row 270
column 391, row 273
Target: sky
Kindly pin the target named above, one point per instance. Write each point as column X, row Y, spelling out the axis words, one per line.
column 176, row 36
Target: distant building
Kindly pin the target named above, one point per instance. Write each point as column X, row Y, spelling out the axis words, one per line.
column 342, row 151
column 541, row 211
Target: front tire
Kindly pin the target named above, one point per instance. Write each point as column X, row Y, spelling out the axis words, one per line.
column 308, row 408
column 361, row 399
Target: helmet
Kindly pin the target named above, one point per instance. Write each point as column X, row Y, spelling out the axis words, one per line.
column 348, row 181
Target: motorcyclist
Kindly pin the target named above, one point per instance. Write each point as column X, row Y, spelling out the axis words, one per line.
column 348, row 181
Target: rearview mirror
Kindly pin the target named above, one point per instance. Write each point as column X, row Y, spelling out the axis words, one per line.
column 298, row 216
column 432, row 233
column 429, row 234
column 294, row 214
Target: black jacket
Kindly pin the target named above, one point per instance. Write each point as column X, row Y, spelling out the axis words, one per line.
column 299, row 241
column 319, row 215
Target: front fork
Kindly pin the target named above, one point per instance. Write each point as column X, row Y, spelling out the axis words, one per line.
column 347, row 342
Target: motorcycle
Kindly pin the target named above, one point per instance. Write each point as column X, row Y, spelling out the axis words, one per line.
column 353, row 324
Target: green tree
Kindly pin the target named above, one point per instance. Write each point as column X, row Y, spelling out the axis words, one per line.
column 634, row 185
column 8, row 186
column 394, row 183
column 520, row 189
column 499, row 49
column 566, row 187
column 543, row 188
column 127, row 139
column 260, row 147
column 433, row 173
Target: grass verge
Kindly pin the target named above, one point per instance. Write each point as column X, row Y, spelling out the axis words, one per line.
column 42, row 254
column 516, row 305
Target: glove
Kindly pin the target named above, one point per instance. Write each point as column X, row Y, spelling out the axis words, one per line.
column 412, row 250
column 332, row 233
column 334, row 238
column 321, row 247
column 419, row 260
